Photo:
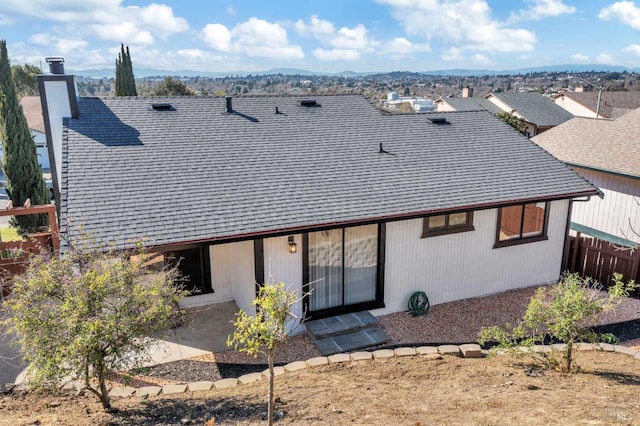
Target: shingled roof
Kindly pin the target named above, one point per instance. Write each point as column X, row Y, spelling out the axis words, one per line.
column 472, row 104
column 535, row 108
column 612, row 104
column 191, row 172
column 608, row 145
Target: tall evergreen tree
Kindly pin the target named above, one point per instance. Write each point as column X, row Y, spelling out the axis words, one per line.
column 20, row 159
column 125, row 82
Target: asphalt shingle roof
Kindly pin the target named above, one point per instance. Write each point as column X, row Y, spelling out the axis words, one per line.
column 536, row 108
column 472, row 104
column 195, row 173
column 612, row 104
column 610, row 145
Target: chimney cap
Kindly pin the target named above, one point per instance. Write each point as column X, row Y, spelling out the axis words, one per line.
column 56, row 65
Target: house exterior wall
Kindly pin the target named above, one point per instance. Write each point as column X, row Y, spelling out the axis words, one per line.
column 458, row 266
column 503, row 106
column 232, row 276
column 446, row 267
column 574, row 107
column 442, row 106
column 40, row 140
column 284, row 266
column 618, row 212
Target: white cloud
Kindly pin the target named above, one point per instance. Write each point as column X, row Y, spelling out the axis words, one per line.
column 633, row 49
column 464, row 24
column 42, row 39
column 336, row 54
column 453, row 54
column 343, row 38
column 540, row 9
column 579, row 58
column 4, row 20
column 401, row 45
column 623, row 11
column 128, row 32
column 217, row 36
column 255, row 37
column 67, row 45
column 603, row 58
column 230, row 10
column 106, row 19
column 480, row 59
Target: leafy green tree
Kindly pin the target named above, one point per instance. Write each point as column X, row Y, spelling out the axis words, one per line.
column 25, row 78
column 125, row 81
column 564, row 311
column 89, row 312
column 264, row 332
column 20, row 159
column 171, row 87
column 516, row 122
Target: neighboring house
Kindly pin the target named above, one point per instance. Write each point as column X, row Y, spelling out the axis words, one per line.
column 607, row 153
column 32, row 110
column 324, row 193
column 584, row 104
column 538, row 111
column 466, row 104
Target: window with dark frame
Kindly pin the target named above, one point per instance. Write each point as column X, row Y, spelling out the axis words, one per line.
column 522, row 223
column 447, row 224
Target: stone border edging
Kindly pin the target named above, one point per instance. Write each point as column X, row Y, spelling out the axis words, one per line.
column 469, row 350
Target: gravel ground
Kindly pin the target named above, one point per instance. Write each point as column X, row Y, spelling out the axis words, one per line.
column 455, row 322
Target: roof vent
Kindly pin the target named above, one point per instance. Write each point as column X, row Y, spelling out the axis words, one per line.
column 309, row 103
column 164, row 106
column 438, row 120
column 56, row 65
column 229, row 108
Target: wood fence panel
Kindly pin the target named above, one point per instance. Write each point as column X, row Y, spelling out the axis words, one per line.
column 598, row 259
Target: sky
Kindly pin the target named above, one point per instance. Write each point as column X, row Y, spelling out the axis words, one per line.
column 326, row 36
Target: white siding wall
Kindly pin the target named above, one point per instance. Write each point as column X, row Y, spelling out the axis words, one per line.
column 463, row 265
column 613, row 213
column 284, row 266
column 574, row 107
column 443, row 106
column 58, row 106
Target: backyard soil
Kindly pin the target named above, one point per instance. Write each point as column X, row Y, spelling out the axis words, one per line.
column 412, row 390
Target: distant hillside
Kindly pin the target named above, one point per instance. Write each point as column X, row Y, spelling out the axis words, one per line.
column 148, row 72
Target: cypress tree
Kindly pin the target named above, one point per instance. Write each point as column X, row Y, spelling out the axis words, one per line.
column 125, row 82
column 20, row 159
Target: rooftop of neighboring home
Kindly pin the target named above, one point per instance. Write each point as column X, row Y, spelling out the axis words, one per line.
column 33, row 112
column 191, row 169
column 612, row 104
column 534, row 108
column 471, row 104
column 600, row 144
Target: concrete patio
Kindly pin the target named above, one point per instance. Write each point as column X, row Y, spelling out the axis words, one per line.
column 205, row 331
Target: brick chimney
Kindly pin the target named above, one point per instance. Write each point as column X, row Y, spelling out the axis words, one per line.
column 59, row 99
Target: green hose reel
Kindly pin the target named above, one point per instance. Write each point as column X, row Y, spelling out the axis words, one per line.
column 418, row 304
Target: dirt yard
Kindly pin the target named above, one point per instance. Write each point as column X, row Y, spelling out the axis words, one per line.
column 404, row 391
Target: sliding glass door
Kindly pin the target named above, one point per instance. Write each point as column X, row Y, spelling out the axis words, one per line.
column 342, row 267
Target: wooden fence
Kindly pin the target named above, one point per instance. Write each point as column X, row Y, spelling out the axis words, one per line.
column 14, row 255
column 599, row 259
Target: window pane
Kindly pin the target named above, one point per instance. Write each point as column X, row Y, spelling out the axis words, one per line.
column 325, row 269
column 457, row 219
column 360, row 264
column 510, row 223
column 533, row 220
column 437, row 221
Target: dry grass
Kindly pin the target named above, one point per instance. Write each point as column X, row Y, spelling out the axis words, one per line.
column 398, row 391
